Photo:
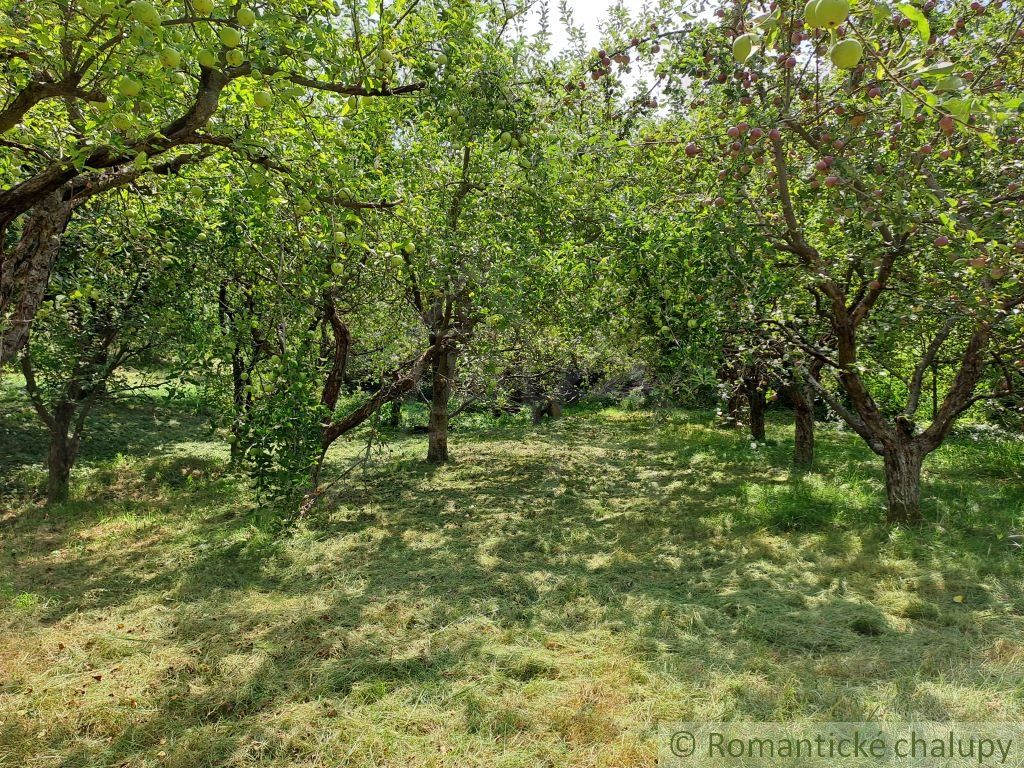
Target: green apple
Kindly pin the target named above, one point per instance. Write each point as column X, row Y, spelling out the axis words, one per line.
column 846, row 54
column 234, row 58
column 203, row 7
column 121, row 121
column 832, row 13
column 263, row 99
column 207, row 59
column 129, row 87
column 246, row 17
column 230, row 36
column 170, row 58
column 811, row 17
column 144, row 13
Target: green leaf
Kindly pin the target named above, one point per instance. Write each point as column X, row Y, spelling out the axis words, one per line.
column 908, row 105
column 937, row 70
column 989, row 140
column 923, row 30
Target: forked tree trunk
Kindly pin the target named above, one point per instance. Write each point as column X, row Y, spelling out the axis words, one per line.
column 903, row 482
column 803, row 423
column 758, row 403
column 62, row 455
column 443, row 373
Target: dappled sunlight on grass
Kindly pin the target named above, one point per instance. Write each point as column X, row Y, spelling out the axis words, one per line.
column 541, row 601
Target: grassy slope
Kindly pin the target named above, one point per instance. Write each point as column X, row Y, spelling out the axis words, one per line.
column 539, row 603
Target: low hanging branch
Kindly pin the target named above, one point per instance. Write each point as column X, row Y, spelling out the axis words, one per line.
column 401, row 383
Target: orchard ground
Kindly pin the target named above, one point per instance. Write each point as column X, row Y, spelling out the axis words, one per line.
column 542, row 601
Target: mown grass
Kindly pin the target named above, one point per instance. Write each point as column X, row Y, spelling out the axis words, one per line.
column 542, row 601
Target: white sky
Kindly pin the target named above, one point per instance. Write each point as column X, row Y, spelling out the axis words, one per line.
column 585, row 13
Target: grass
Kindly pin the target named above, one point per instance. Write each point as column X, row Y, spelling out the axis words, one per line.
column 542, row 601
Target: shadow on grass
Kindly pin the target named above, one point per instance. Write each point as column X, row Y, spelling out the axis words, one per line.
column 665, row 557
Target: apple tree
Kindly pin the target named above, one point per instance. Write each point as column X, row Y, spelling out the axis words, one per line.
column 878, row 148
column 96, row 94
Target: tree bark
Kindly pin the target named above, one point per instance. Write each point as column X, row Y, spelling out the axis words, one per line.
column 25, row 272
column 442, row 377
column 803, row 421
column 62, row 454
column 903, row 462
column 803, row 431
column 238, row 396
column 339, row 352
column 395, row 417
column 757, row 403
column 548, row 406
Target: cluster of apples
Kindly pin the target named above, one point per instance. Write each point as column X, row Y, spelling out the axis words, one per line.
column 829, row 14
column 148, row 17
column 818, row 14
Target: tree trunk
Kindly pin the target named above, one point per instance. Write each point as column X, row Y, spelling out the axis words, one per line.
column 903, row 482
column 547, row 407
column 803, row 428
column 339, row 353
column 62, row 455
column 238, row 396
column 443, row 370
column 25, row 272
column 733, row 416
column 757, row 402
column 395, row 418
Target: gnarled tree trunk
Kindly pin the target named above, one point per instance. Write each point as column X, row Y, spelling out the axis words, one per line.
column 442, row 378
column 548, row 406
column 25, row 272
column 903, row 462
column 803, row 432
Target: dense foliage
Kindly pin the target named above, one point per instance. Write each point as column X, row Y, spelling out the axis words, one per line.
column 315, row 212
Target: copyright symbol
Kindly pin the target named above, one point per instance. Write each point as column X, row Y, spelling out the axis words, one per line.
column 683, row 744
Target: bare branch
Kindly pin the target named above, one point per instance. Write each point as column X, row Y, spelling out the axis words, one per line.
column 922, row 365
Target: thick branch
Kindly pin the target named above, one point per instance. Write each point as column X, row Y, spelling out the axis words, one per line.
column 855, row 422
column 37, row 91
column 398, row 387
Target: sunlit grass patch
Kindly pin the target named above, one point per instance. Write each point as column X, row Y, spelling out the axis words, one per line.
column 542, row 601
